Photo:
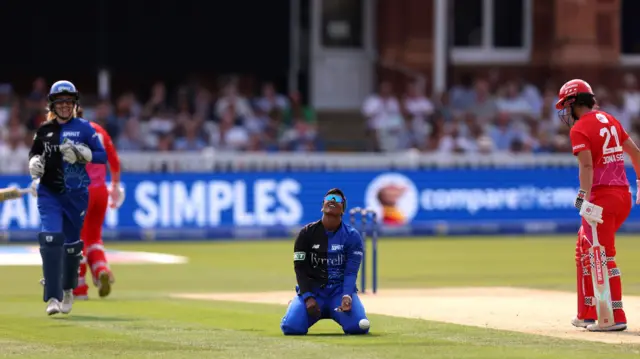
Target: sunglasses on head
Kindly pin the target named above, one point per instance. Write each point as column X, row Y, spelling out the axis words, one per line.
column 334, row 197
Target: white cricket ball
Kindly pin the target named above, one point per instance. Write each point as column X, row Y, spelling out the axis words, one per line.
column 364, row 324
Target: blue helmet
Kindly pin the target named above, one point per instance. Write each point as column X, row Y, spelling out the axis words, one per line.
column 62, row 88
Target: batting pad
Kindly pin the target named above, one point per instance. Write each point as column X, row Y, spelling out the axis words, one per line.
column 72, row 259
column 52, row 254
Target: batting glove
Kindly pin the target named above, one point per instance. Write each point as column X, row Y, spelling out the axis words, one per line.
column 116, row 195
column 590, row 212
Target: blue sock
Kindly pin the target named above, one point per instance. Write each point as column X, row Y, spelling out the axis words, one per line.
column 72, row 259
column 52, row 254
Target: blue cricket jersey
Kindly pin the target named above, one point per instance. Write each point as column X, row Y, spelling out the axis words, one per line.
column 60, row 176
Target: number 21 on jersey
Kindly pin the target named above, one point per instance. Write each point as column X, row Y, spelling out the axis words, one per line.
column 607, row 132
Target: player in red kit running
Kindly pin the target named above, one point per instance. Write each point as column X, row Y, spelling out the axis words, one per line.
column 91, row 233
column 599, row 141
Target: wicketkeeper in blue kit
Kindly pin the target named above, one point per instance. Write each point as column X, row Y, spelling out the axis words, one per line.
column 326, row 257
column 61, row 148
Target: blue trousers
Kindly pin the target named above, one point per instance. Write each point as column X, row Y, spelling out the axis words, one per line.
column 297, row 321
column 62, row 218
column 63, row 213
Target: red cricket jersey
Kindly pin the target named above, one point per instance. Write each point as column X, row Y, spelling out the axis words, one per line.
column 603, row 135
column 98, row 172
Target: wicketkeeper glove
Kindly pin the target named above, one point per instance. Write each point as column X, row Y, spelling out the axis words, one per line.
column 36, row 167
column 590, row 212
column 75, row 152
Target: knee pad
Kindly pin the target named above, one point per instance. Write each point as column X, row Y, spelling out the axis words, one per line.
column 52, row 253
column 72, row 259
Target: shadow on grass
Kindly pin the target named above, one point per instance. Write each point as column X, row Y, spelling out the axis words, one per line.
column 93, row 318
column 339, row 334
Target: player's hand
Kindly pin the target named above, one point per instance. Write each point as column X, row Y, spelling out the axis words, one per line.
column 36, row 167
column 637, row 191
column 68, row 154
column 591, row 212
column 345, row 306
column 75, row 152
column 116, row 192
column 312, row 307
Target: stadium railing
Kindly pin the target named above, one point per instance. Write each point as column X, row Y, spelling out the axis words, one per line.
column 209, row 161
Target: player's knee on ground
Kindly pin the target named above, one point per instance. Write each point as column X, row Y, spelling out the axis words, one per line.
column 72, row 259
column 357, row 326
column 293, row 326
column 52, row 252
column 295, row 320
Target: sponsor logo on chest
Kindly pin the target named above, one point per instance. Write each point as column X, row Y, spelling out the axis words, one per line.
column 71, row 134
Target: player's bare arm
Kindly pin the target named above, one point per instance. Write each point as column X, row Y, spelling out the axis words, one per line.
column 633, row 151
column 585, row 167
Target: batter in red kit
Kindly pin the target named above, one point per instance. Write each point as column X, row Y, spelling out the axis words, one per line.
column 599, row 142
column 99, row 197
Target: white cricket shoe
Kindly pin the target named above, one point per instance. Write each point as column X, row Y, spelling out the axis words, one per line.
column 67, row 302
column 582, row 323
column 618, row 327
column 53, row 307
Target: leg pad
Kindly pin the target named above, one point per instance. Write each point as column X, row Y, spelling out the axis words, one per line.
column 52, row 253
column 72, row 259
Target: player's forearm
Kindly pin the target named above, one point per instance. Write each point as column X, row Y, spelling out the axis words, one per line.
column 304, row 282
column 115, row 177
column 586, row 178
column 351, row 274
column 634, row 154
column 635, row 161
column 36, row 148
column 99, row 156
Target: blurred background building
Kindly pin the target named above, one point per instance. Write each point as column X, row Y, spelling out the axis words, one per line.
column 451, row 76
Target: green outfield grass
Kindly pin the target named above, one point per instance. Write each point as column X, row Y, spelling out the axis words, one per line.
column 141, row 321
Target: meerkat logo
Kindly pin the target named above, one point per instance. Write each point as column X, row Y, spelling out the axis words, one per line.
column 394, row 197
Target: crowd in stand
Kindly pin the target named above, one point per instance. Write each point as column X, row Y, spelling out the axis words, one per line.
column 478, row 115
column 190, row 119
column 486, row 115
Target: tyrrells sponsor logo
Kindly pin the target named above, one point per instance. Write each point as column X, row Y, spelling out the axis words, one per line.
column 49, row 148
column 71, row 134
column 334, row 261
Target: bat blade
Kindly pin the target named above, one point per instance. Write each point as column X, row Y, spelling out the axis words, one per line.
column 10, row 193
column 600, row 278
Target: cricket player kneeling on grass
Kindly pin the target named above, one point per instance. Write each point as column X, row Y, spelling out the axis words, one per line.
column 61, row 148
column 327, row 256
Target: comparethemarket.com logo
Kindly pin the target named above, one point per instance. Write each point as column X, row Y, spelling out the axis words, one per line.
column 397, row 200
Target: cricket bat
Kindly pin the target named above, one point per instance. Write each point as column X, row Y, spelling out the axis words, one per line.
column 600, row 278
column 10, row 193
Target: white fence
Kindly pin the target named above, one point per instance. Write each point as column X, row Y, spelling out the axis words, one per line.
column 238, row 162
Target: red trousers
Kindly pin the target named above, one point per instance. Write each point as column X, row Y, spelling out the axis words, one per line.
column 616, row 204
column 91, row 235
